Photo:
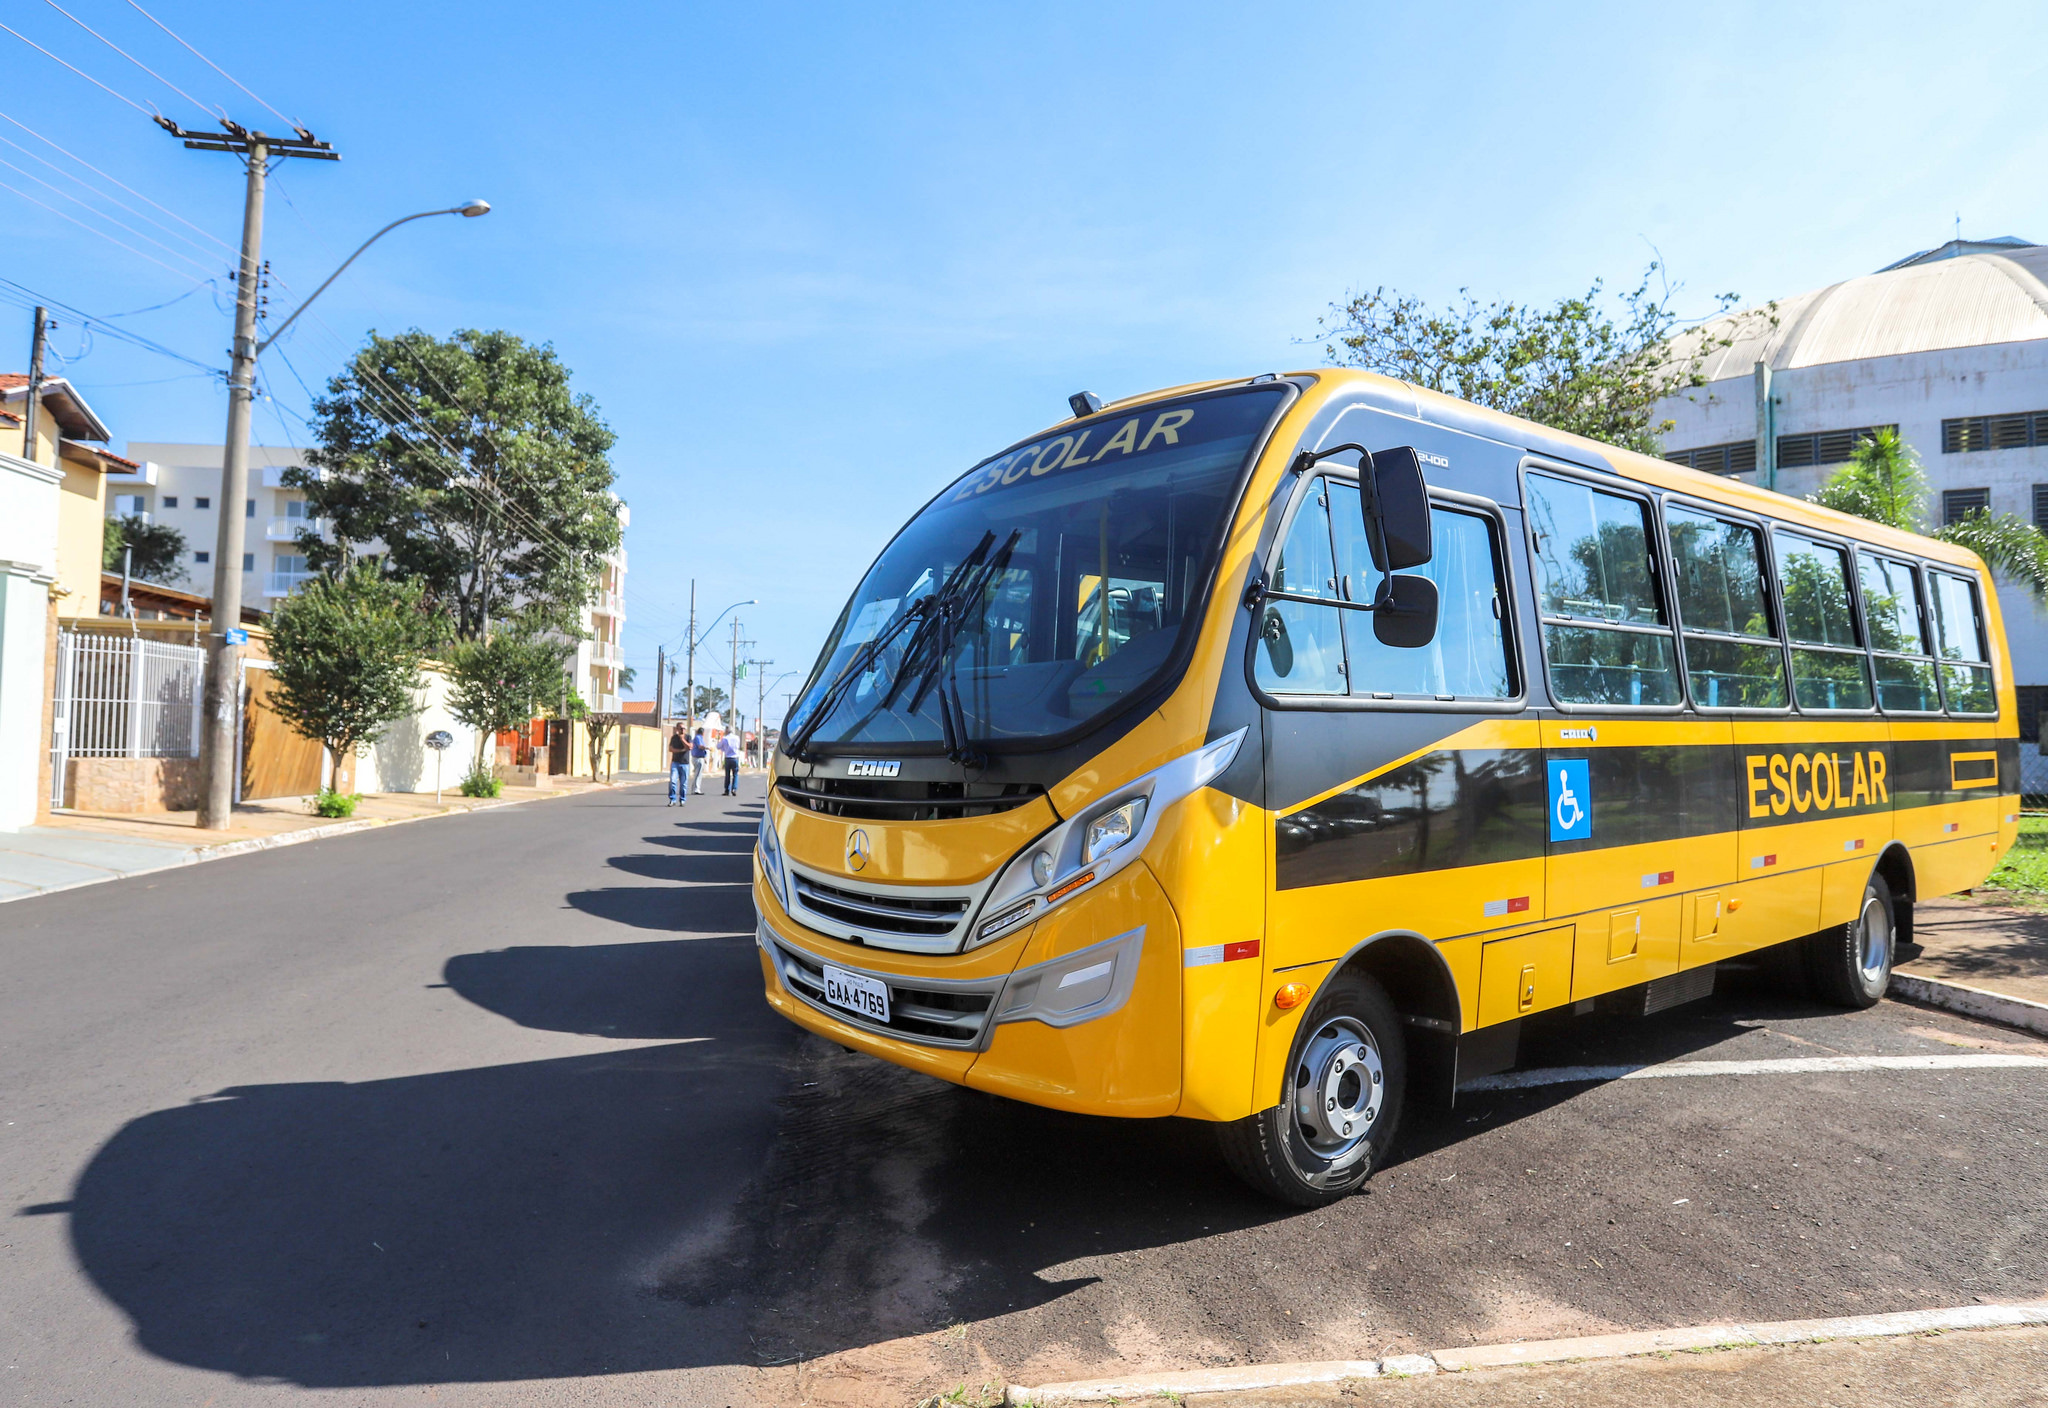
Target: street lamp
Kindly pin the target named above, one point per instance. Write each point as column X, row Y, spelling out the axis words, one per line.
column 217, row 761
column 692, row 638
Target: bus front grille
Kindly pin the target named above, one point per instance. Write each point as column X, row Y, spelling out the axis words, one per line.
column 880, row 912
column 861, row 799
column 956, row 1015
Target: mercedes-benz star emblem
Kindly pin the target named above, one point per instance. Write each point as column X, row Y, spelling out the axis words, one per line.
column 857, row 850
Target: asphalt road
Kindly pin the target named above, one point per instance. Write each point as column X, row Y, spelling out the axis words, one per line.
column 489, row 1109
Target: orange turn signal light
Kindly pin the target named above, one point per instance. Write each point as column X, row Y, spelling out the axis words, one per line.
column 1290, row 996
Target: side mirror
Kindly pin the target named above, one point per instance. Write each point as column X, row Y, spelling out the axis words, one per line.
column 1403, row 502
column 1404, row 613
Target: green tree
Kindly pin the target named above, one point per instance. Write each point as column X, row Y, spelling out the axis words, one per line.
column 347, row 651
column 156, row 550
column 710, row 700
column 502, row 682
column 1583, row 365
column 1884, row 482
column 476, row 465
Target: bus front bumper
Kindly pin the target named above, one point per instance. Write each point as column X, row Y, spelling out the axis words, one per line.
column 1090, row 1024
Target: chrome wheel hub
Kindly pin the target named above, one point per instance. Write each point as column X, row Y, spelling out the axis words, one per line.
column 1340, row 1085
column 1873, row 941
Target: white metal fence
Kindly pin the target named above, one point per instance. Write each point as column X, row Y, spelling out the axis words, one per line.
column 123, row 697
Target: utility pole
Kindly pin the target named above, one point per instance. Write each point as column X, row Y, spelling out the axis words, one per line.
column 661, row 686
column 35, row 383
column 217, row 761
column 761, row 705
column 732, row 698
column 690, row 672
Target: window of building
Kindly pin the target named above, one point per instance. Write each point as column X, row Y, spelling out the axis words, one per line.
column 202, row 558
column 249, row 508
column 248, row 562
column 1824, row 446
column 1735, row 457
column 1960, row 643
column 1829, row 668
column 2041, row 507
column 1892, row 616
column 202, row 502
column 130, row 503
column 2015, row 430
column 1958, row 504
column 170, row 500
column 1732, row 656
column 1604, row 633
column 295, row 508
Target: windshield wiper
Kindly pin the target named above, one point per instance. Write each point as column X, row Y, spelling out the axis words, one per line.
column 952, row 716
column 926, row 612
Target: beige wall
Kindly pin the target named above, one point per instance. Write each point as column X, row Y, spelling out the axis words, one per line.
column 81, row 538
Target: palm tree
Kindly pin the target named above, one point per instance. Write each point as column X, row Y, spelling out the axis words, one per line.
column 1883, row 482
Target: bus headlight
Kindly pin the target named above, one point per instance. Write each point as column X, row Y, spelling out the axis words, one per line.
column 771, row 859
column 1111, row 830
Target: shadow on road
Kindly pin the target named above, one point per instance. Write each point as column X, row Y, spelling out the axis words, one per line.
column 714, row 864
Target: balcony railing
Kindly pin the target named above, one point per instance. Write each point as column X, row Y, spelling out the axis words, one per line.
column 609, row 604
column 285, row 583
column 286, row 530
column 603, row 652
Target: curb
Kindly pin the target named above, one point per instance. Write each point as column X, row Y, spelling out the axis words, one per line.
column 221, row 850
column 2020, row 1012
column 1498, row 1356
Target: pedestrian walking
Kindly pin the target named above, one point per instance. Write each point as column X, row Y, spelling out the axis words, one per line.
column 729, row 749
column 700, row 757
column 678, row 767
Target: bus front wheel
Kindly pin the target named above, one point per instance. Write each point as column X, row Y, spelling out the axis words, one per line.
column 1851, row 964
column 1340, row 1106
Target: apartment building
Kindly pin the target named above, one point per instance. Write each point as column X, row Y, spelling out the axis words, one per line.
column 179, row 485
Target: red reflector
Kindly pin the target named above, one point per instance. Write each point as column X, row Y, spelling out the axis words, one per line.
column 1665, row 877
column 1518, row 904
column 1245, row 948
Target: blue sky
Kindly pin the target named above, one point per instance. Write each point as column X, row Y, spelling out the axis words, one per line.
column 814, row 261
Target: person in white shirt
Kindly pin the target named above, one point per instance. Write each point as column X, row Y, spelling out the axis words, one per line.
column 729, row 749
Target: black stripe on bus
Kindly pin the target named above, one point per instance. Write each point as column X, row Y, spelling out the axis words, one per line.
column 1459, row 807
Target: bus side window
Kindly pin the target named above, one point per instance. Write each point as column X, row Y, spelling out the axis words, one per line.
column 1732, row 658
column 1959, row 640
column 1301, row 647
column 1891, row 616
column 1468, row 658
column 1829, row 668
column 1604, row 633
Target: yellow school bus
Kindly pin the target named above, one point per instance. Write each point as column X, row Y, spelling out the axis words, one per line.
column 1263, row 752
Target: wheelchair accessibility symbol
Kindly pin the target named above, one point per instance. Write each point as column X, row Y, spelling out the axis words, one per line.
column 1571, row 800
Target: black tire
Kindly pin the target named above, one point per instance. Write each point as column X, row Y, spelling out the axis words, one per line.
column 1350, row 1043
column 1850, row 965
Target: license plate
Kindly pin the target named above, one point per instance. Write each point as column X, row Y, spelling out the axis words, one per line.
column 864, row 996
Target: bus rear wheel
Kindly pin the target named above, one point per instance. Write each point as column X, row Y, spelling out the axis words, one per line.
column 1850, row 965
column 1340, row 1106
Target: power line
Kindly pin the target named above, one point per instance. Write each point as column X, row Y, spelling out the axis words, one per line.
column 101, row 233
column 96, row 191
column 148, row 239
column 123, row 185
column 216, row 67
column 24, row 296
column 217, row 112
column 146, row 112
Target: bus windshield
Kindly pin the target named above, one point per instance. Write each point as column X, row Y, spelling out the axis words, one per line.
column 1068, row 568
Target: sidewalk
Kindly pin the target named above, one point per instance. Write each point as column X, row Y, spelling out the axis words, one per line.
column 83, row 848
column 1999, row 947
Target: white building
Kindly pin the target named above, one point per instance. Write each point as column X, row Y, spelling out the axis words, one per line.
column 1949, row 345
column 179, row 485
column 29, row 500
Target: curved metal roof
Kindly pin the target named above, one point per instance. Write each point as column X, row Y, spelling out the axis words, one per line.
column 1964, row 301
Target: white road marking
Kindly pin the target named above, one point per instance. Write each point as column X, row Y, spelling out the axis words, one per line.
column 1787, row 1066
